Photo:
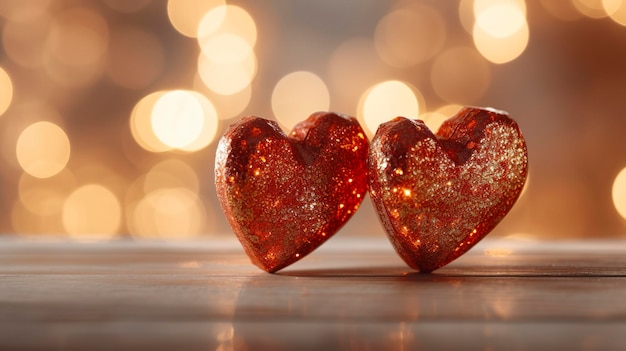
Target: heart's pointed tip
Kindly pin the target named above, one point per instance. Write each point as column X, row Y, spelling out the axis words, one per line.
column 426, row 267
column 269, row 268
column 272, row 270
column 425, row 271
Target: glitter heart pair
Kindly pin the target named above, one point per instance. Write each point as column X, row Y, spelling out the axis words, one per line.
column 436, row 195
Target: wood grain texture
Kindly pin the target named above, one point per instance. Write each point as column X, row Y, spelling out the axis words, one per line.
column 349, row 295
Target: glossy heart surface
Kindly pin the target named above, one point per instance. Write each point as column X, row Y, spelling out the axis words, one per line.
column 438, row 195
column 286, row 195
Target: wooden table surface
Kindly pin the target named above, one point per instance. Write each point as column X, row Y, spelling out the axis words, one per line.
column 351, row 294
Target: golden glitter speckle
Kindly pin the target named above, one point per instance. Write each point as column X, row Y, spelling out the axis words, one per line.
column 285, row 196
column 435, row 219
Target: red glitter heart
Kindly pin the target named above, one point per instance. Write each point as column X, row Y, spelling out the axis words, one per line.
column 438, row 195
column 285, row 196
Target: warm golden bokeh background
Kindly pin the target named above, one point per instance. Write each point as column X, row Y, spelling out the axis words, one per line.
column 110, row 110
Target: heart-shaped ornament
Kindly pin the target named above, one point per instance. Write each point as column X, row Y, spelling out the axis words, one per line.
column 438, row 195
column 286, row 195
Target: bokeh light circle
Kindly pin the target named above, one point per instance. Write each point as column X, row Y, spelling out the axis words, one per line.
column 562, row 10
column 227, row 78
column 92, row 212
column 297, row 95
column 43, row 149
column 616, row 10
column 141, row 123
column 226, row 48
column 619, row 193
column 6, row 91
column 228, row 106
column 171, row 173
column 169, row 213
column 479, row 6
column 466, row 14
column 385, row 101
column 590, row 8
column 500, row 20
column 177, row 118
column 185, row 15
column 500, row 30
column 501, row 49
column 209, row 125
column 227, row 19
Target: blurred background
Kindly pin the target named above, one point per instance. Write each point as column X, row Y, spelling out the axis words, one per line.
column 110, row 110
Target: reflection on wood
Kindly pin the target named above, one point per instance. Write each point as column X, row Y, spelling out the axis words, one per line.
column 349, row 295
